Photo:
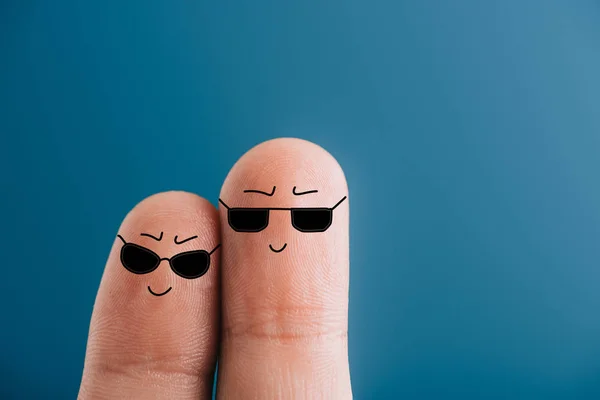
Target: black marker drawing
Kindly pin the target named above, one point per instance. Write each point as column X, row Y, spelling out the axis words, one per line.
column 278, row 251
column 159, row 294
column 301, row 193
column 140, row 260
column 184, row 240
column 261, row 192
column 307, row 220
column 158, row 239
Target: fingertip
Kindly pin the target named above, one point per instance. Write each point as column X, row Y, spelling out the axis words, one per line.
column 297, row 159
column 184, row 206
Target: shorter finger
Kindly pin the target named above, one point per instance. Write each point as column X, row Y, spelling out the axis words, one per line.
column 154, row 329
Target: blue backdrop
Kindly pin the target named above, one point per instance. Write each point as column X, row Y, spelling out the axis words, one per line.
column 469, row 132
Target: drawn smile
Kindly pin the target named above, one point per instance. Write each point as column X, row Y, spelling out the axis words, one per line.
column 159, row 294
column 278, row 251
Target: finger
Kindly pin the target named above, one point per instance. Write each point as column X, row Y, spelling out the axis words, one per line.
column 284, row 292
column 155, row 334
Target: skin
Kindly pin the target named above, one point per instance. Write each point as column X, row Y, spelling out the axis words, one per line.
column 273, row 305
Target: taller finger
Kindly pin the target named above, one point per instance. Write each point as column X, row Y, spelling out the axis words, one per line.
column 284, row 217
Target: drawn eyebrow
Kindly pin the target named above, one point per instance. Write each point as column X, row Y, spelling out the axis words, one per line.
column 301, row 193
column 158, row 239
column 261, row 192
column 185, row 240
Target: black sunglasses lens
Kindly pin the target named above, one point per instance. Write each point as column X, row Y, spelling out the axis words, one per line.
column 248, row 219
column 138, row 260
column 311, row 219
column 192, row 264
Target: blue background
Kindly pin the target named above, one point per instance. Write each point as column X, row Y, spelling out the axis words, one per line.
column 469, row 132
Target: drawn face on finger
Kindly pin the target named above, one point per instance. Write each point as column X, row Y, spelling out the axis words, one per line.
column 141, row 260
column 303, row 219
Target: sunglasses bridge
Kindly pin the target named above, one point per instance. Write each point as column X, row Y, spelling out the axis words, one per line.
column 283, row 208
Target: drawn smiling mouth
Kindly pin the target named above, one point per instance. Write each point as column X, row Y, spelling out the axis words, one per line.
column 278, row 251
column 159, row 294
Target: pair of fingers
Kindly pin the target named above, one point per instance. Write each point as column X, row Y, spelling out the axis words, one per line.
column 272, row 306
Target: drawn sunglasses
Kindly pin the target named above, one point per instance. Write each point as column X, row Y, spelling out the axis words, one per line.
column 303, row 219
column 140, row 260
